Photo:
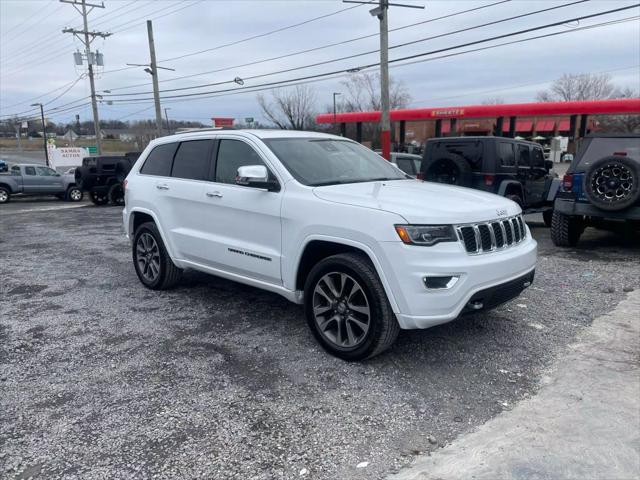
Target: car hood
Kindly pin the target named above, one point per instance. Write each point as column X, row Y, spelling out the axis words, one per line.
column 422, row 202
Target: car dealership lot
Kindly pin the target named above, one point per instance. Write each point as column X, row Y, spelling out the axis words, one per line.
column 101, row 378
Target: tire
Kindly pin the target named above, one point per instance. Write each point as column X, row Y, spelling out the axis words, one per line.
column 148, row 241
column 74, row 194
column 5, row 195
column 450, row 169
column 122, row 170
column 566, row 229
column 99, row 198
column 547, row 216
column 116, row 194
column 343, row 334
column 613, row 183
column 83, row 178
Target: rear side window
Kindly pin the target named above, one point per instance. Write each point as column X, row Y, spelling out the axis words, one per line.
column 29, row 170
column 159, row 160
column 507, row 154
column 192, row 160
column 233, row 154
column 537, row 158
column 406, row 165
column 524, row 159
column 470, row 151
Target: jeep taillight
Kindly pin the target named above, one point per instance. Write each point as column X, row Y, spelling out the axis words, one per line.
column 567, row 183
column 420, row 176
column 488, row 180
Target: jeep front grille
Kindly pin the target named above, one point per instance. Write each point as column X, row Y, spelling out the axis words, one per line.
column 491, row 236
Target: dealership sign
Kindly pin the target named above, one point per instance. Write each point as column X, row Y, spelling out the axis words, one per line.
column 66, row 156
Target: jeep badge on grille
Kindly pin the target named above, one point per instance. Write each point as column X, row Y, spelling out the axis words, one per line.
column 501, row 212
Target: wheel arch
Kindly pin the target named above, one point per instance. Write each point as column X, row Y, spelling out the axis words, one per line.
column 508, row 187
column 138, row 216
column 7, row 187
column 317, row 248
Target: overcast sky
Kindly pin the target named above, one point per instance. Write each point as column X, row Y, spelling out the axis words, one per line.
column 37, row 58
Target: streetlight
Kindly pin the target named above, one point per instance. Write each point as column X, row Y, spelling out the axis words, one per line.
column 44, row 131
column 335, row 94
column 167, row 117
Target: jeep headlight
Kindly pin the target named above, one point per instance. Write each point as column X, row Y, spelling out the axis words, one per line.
column 426, row 235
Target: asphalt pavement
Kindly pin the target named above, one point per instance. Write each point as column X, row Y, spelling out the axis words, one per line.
column 102, row 378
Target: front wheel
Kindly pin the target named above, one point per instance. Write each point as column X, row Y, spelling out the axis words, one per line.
column 154, row 267
column 74, row 194
column 566, row 229
column 347, row 308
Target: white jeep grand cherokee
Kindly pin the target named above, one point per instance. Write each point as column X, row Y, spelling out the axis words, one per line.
column 327, row 223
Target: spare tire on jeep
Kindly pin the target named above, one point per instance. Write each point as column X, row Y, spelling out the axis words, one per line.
column 613, row 183
column 451, row 169
column 83, row 178
column 122, row 169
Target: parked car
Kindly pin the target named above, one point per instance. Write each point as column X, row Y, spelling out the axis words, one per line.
column 102, row 177
column 26, row 179
column 4, row 166
column 324, row 222
column 514, row 169
column 601, row 184
column 407, row 162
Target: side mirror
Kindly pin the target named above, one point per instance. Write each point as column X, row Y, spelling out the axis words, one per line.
column 548, row 164
column 255, row 176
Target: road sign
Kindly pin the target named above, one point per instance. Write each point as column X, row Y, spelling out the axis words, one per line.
column 248, row 120
column 92, row 149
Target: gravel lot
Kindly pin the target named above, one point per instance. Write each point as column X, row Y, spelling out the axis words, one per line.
column 101, row 378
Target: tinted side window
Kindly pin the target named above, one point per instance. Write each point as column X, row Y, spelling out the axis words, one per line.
column 29, row 170
column 507, row 154
column 523, row 156
column 471, row 151
column 537, row 159
column 192, row 160
column 159, row 160
column 233, row 154
column 45, row 171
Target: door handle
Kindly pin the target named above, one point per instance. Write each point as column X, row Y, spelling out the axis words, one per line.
column 214, row 194
column 162, row 187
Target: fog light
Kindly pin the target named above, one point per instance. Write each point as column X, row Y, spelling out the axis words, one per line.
column 440, row 283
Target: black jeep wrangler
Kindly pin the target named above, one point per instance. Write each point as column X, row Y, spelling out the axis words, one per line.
column 511, row 168
column 602, row 184
column 102, row 177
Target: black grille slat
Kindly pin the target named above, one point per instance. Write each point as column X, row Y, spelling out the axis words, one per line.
column 508, row 231
column 523, row 231
column 516, row 229
column 469, row 239
column 485, row 237
column 497, row 232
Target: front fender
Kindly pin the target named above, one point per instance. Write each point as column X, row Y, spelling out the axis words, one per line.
column 553, row 189
column 505, row 184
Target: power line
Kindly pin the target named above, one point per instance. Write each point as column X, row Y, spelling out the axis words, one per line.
column 27, row 20
column 73, row 82
column 343, row 73
column 314, row 49
column 467, row 44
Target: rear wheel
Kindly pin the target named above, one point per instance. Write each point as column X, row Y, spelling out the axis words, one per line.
column 154, row 267
column 347, row 308
column 566, row 229
column 99, row 198
column 116, row 194
column 5, row 195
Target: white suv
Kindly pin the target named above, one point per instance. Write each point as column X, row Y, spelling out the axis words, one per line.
column 327, row 223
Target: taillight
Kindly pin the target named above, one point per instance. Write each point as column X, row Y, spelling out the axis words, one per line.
column 620, row 154
column 420, row 176
column 488, row 180
column 567, row 182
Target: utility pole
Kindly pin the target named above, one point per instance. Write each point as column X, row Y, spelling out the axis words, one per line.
column 86, row 37
column 382, row 12
column 44, row 131
column 335, row 94
column 152, row 69
column 166, row 115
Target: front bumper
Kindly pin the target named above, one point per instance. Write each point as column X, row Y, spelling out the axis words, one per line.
column 572, row 207
column 406, row 266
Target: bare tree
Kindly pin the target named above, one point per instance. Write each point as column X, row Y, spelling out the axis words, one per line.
column 621, row 123
column 493, row 101
column 363, row 93
column 290, row 109
column 581, row 86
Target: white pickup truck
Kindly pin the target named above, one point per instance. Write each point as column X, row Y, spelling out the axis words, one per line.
column 27, row 179
column 327, row 223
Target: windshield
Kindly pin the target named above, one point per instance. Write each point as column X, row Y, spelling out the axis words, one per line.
column 320, row 161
